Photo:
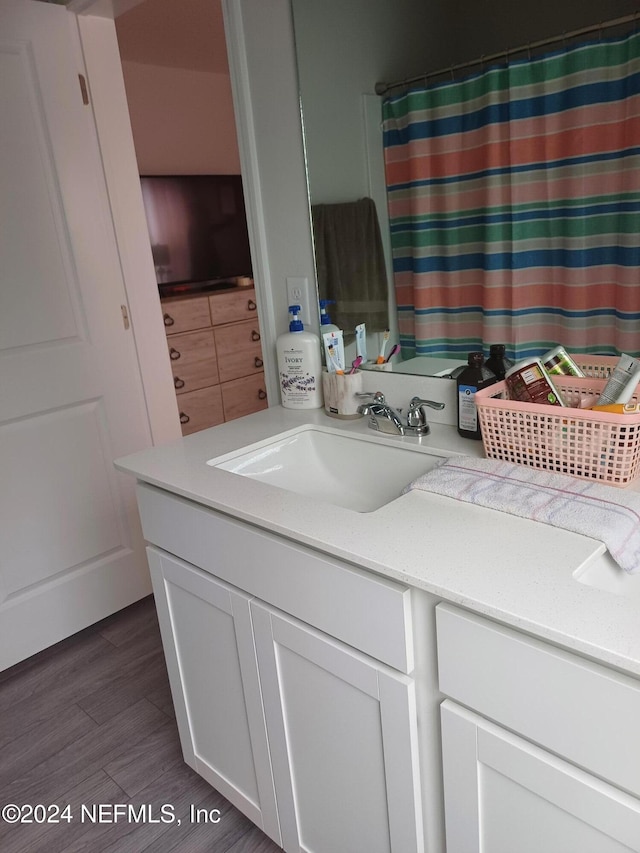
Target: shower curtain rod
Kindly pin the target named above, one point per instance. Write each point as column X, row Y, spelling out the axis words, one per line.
column 383, row 88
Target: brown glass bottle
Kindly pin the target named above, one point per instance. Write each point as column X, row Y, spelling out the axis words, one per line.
column 497, row 362
column 473, row 378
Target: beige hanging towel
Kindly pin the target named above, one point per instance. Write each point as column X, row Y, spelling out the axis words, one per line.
column 350, row 264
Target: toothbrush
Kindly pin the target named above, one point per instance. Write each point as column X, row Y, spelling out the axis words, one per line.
column 355, row 364
column 394, row 349
column 385, row 340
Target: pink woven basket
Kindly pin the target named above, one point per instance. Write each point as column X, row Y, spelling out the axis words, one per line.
column 596, row 366
column 570, row 440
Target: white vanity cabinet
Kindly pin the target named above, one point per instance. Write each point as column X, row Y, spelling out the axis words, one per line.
column 290, row 673
column 545, row 755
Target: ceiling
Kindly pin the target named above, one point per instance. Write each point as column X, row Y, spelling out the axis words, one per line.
column 174, row 33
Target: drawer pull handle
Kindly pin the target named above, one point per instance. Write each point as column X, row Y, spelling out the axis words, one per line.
column 258, row 362
column 174, row 354
column 184, row 419
column 251, row 305
column 255, row 336
column 177, row 382
column 262, row 394
column 168, row 320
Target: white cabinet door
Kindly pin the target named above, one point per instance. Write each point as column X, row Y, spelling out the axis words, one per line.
column 208, row 644
column 342, row 732
column 503, row 794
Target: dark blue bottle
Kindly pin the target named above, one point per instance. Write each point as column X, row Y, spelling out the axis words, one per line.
column 474, row 377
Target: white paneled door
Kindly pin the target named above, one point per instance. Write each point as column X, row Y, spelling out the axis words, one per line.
column 342, row 731
column 503, row 794
column 71, row 396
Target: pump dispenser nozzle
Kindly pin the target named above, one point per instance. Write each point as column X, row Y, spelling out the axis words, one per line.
column 325, row 319
column 295, row 324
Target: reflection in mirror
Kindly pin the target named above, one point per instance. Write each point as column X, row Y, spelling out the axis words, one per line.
column 345, row 47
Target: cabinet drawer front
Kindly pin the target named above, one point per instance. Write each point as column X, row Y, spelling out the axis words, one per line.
column 191, row 377
column 238, row 337
column 193, row 361
column 191, row 347
column 238, row 364
column 200, row 409
column 244, row 396
column 184, row 315
column 578, row 709
column 365, row 611
column 233, row 306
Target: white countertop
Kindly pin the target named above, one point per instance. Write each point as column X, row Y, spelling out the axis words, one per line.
column 511, row 569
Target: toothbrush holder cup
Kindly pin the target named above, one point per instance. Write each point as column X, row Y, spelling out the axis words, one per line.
column 340, row 391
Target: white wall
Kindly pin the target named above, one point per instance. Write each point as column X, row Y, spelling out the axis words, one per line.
column 262, row 64
column 182, row 120
column 344, row 47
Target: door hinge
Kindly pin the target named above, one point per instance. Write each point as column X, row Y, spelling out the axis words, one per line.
column 125, row 316
column 84, row 89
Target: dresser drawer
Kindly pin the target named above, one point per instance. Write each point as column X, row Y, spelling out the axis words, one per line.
column 200, row 409
column 193, row 360
column 244, row 396
column 233, row 306
column 238, row 337
column 370, row 613
column 184, row 315
column 571, row 706
column 245, row 363
column 239, row 349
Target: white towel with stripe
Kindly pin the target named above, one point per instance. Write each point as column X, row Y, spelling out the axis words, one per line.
column 601, row 512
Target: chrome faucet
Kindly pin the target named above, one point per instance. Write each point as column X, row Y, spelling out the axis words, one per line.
column 382, row 417
column 385, row 418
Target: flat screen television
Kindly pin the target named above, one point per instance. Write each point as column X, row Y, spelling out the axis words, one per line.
column 198, row 231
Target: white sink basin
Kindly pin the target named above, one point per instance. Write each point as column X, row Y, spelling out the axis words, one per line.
column 351, row 471
column 605, row 575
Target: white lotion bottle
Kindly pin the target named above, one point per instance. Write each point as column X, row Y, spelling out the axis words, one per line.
column 325, row 320
column 299, row 366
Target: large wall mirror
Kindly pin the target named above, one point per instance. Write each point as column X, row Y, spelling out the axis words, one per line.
column 345, row 47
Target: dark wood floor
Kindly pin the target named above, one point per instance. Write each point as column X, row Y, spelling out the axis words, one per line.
column 90, row 721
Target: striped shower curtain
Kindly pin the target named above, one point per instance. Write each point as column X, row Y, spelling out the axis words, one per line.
column 514, row 200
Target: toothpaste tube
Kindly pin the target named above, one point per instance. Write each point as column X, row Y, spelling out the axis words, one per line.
column 334, row 351
column 361, row 341
column 622, row 382
column 619, row 408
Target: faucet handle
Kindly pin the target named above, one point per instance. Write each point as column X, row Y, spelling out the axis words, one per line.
column 416, row 402
column 415, row 416
column 374, row 396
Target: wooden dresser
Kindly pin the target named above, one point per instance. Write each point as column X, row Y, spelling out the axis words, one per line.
column 216, row 356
